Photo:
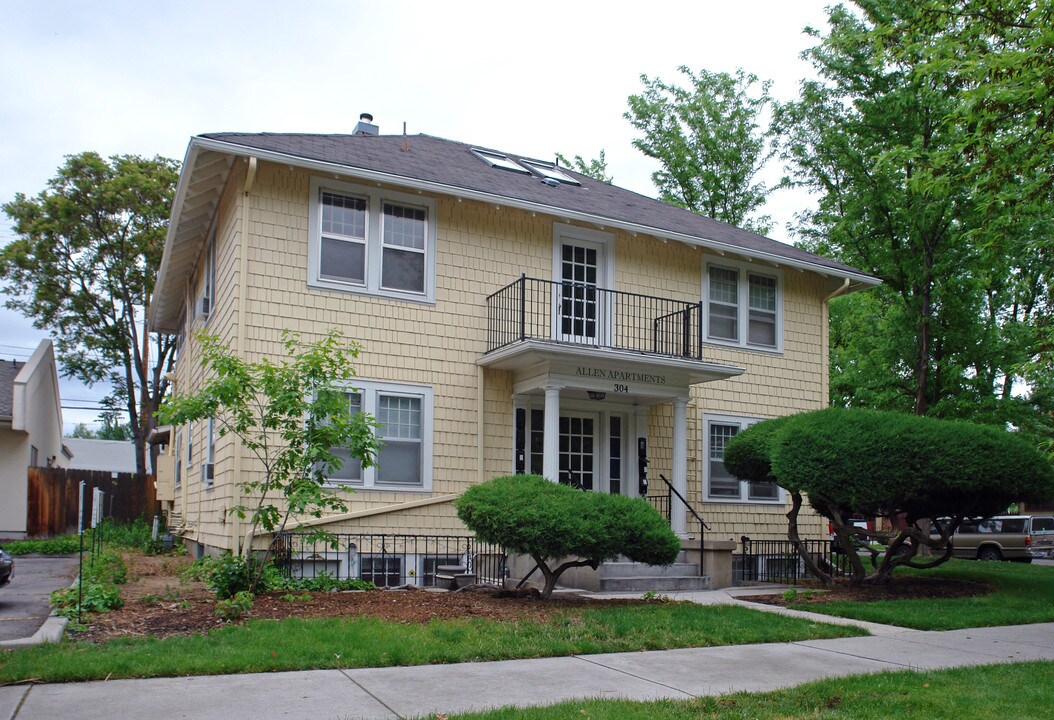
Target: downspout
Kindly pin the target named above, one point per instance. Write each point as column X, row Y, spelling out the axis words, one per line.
column 825, row 365
column 243, row 252
column 479, row 423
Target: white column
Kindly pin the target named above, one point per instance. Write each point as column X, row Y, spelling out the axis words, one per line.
column 551, row 446
column 678, row 511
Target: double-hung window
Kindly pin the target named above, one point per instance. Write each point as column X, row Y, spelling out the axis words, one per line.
column 403, row 414
column 743, row 306
column 720, row 483
column 371, row 241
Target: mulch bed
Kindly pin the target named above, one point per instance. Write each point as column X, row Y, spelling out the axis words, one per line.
column 158, row 604
column 903, row 588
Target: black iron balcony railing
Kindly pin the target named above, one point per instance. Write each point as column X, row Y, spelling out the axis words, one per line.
column 584, row 314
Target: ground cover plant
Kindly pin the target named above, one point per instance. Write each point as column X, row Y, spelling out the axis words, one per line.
column 1023, row 691
column 1019, row 594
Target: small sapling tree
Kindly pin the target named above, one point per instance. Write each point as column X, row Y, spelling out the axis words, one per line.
column 555, row 523
column 293, row 416
column 905, row 468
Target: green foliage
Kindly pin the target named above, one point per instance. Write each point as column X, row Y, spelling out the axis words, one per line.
column 898, row 466
column 896, row 140
column 290, row 597
column 528, row 514
column 234, row 606
column 323, row 582
column 596, row 168
column 112, row 429
column 83, row 266
column 227, row 576
column 292, row 415
column 94, row 597
column 98, row 592
column 710, row 142
column 62, row 545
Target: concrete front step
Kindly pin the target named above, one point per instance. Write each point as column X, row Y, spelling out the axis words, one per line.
column 654, row 583
column 632, row 569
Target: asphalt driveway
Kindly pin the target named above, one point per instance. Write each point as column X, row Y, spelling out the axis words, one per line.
column 24, row 602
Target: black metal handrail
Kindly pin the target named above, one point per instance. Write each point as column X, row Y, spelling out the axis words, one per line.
column 703, row 527
column 584, row 314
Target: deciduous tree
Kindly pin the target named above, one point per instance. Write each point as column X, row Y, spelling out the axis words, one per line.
column 83, row 268
column 293, row 416
column 709, row 138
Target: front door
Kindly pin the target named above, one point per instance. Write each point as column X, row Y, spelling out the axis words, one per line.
column 578, row 466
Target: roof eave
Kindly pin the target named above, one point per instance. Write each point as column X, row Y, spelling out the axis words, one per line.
column 857, row 279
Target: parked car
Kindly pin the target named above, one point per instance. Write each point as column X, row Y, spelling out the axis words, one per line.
column 7, row 567
column 1004, row 537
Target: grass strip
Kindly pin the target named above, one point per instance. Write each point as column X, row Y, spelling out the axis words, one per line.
column 303, row 644
column 1024, row 594
column 1022, row 690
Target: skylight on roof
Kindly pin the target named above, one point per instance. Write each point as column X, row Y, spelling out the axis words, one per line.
column 548, row 170
column 500, row 161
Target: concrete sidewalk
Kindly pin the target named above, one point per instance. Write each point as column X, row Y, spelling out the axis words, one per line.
column 421, row 691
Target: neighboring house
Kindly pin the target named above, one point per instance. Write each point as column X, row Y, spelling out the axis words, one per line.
column 30, row 431
column 515, row 316
column 107, row 455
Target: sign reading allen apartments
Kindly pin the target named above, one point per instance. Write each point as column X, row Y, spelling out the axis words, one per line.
column 620, row 375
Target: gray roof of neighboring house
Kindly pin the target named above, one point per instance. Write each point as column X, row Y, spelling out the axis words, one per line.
column 107, row 455
column 9, row 370
column 436, row 160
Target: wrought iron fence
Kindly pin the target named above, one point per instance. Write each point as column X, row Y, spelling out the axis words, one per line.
column 584, row 314
column 778, row 561
column 389, row 560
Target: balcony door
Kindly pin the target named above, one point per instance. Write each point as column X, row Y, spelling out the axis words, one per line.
column 583, row 270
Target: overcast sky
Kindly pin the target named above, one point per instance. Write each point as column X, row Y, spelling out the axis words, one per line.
column 530, row 78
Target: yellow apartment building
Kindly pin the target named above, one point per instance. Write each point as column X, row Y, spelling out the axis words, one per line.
column 515, row 316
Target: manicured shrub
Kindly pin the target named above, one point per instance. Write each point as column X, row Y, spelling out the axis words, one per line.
column 531, row 515
column 902, row 467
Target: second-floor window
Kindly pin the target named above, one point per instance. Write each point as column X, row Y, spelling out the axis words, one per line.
column 743, row 306
column 371, row 241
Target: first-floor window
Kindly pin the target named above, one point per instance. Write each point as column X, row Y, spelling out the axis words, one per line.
column 721, row 484
column 403, row 414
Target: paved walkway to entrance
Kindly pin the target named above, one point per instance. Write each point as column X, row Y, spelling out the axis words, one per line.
column 421, row 691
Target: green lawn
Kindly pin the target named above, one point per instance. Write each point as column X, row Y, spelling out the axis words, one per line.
column 1023, row 690
column 299, row 644
column 1024, row 594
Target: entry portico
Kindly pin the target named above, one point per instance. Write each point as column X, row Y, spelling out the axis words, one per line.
column 581, row 412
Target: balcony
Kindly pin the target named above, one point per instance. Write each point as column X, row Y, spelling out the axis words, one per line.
column 584, row 315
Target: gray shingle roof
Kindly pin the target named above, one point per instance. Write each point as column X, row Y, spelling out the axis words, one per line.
column 451, row 163
column 9, row 370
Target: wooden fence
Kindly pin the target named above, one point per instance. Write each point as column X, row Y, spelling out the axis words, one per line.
column 54, row 498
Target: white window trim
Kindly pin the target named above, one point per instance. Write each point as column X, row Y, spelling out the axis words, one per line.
column 369, row 389
column 208, row 467
column 744, row 485
column 744, row 270
column 375, row 198
column 605, row 276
